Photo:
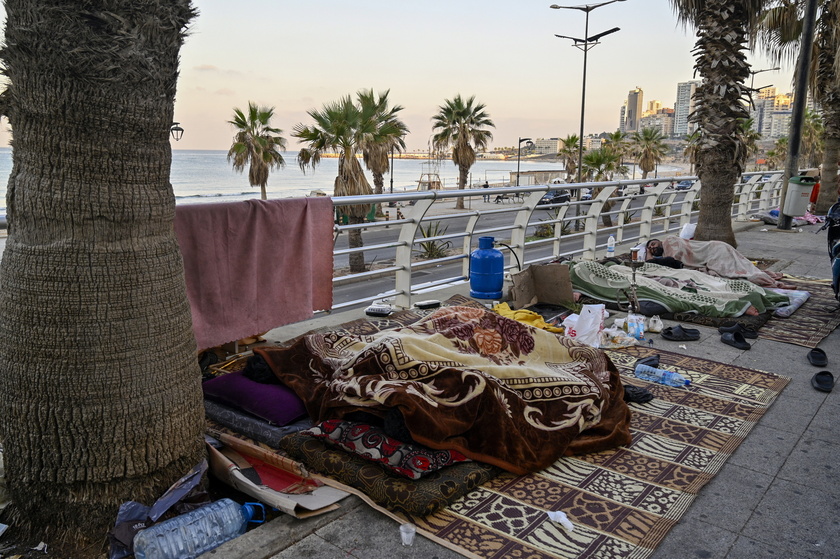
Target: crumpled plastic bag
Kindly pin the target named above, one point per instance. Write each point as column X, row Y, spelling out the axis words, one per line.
column 613, row 338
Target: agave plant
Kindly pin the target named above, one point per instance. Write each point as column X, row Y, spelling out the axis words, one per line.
column 432, row 248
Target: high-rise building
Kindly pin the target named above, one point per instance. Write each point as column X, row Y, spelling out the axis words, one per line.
column 683, row 106
column 634, row 110
column 622, row 117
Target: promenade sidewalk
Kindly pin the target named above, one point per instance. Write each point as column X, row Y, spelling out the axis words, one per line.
column 775, row 497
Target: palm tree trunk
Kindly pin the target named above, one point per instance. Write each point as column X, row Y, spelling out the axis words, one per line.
column 715, row 220
column 463, row 173
column 100, row 386
column 829, row 191
column 354, row 240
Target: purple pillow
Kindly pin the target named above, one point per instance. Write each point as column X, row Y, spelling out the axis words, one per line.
column 275, row 403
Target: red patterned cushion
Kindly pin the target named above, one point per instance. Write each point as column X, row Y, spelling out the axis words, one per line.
column 408, row 460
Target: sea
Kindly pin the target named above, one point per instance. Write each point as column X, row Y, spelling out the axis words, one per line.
column 200, row 176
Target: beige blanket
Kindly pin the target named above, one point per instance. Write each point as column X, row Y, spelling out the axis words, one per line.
column 719, row 259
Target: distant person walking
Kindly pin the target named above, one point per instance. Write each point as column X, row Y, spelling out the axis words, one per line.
column 486, row 196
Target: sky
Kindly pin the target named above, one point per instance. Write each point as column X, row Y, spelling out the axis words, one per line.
column 297, row 56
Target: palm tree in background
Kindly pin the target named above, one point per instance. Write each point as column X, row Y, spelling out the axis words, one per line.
column 344, row 128
column 723, row 29
column 813, row 139
column 690, row 151
column 780, row 32
column 649, row 146
column 617, row 143
column 600, row 165
column 569, row 154
column 777, row 156
column 462, row 125
column 387, row 134
column 751, row 136
column 256, row 145
column 100, row 389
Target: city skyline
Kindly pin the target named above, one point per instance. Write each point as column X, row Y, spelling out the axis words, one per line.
column 296, row 57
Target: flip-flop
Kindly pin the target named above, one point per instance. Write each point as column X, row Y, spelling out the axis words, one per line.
column 650, row 360
column 738, row 327
column 823, row 381
column 637, row 394
column 817, row 357
column 679, row 334
column 735, row 339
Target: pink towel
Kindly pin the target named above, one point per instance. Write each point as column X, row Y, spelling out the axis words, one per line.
column 255, row 265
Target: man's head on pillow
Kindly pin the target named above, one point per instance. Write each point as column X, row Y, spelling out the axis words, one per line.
column 654, row 249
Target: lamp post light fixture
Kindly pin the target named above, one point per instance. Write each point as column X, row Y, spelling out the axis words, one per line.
column 754, row 72
column 176, row 131
column 584, row 45
column 519, row 155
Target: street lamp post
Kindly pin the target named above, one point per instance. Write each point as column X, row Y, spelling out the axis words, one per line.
column 519, row 156
column 584, row 45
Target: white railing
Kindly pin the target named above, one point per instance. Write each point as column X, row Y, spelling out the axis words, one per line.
column 572, row 230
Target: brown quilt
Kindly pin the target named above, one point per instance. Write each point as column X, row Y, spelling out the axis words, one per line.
column 467, row 379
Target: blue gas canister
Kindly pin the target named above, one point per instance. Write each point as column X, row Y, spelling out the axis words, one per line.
column 487, row 266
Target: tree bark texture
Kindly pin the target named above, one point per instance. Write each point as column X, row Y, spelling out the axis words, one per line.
column 717, row 168
column 100, row 398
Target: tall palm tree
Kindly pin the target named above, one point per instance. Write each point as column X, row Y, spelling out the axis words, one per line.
column 341, row 127
column 812, row 139
column 569, row 154
column 649, row 146
column 256, row 145
column 780, row 31
column 100, row 396
column 388, row 134
column 600, row 165
column 723, row 28
column 617, row 143
column 462, row 125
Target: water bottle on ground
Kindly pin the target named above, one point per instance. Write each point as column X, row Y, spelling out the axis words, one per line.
column 189, row 535
column 652, row 374
column 611, row 247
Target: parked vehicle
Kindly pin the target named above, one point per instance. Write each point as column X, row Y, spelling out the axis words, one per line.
column 555, row 197
column 586, row 194
column 832, row 223
column 684, row 185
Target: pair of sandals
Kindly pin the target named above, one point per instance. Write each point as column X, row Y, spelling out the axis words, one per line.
column 736, row 335
column 824, row 380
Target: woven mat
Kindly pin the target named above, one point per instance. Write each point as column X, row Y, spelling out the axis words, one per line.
column 811, row 322
column 624, row 501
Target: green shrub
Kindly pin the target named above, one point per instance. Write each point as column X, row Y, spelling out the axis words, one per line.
column 433, row 249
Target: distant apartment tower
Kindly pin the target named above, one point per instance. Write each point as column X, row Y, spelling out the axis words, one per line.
column 634, row 110
column 683, row 107
column 622, row 118
column 547, row 146
column 662, row 120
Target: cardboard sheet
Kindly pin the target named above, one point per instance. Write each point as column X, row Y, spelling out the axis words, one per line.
column 546, row 283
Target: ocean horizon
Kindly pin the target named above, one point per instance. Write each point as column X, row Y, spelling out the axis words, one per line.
column 202, row 176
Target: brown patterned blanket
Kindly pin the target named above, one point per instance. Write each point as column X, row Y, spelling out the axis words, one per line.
column 467, row 379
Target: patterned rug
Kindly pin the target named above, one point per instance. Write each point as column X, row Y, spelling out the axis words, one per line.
column 624, row 501
column 812, row 322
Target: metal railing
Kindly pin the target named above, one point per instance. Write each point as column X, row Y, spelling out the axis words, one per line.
column 572, row 230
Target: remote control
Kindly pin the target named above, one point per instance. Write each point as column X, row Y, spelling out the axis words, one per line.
column 379, row 310
column 430, row 304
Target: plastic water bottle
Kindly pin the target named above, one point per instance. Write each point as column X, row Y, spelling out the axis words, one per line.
column 611, row 247
column 646, row 372
column 189, row 535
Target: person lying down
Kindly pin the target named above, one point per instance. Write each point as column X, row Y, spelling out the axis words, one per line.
column 715, row 258
column 674, row 290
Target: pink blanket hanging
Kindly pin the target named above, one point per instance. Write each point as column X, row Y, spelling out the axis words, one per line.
column 255, row 265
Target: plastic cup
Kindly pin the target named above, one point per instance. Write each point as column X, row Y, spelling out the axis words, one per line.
column 407, row 532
